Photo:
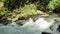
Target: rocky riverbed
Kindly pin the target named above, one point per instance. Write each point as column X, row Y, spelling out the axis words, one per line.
column 38, row 24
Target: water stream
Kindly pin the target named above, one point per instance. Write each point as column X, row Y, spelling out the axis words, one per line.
column 35, row 25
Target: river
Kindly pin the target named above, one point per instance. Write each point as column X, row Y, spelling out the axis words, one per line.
column 40, row 24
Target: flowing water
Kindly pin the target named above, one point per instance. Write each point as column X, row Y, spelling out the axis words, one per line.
column 44, row 24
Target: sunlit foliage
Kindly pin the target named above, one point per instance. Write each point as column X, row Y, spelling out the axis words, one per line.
column 53, row 4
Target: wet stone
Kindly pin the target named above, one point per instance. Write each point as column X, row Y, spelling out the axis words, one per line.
column 45, row 33
column 58, row 29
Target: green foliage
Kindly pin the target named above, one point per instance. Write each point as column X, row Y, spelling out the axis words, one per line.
column 1, row 0
column 27, row 7
column 13, row 4
column 3, row 11
column 28, row 10
column 9, row 4
column 42, row 5
column 45, row 2
column 53, row 4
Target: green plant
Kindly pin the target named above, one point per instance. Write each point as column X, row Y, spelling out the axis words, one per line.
column 3, row 11
column 28, row 10
column 53, row 4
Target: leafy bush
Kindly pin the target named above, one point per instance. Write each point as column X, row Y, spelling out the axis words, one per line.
column 53, row 4
column 42, row 5
column 3, row 11
column 28, row 9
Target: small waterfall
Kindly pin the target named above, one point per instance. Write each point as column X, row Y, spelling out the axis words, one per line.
column 39, row 26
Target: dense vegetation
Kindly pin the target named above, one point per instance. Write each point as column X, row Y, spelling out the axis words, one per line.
column 14, row 9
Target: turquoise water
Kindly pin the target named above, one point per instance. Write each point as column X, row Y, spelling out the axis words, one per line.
column 18, row 30
column 31, row 27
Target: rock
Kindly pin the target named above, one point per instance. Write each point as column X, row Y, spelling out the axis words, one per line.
column 58, row 28
column 45, row 33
